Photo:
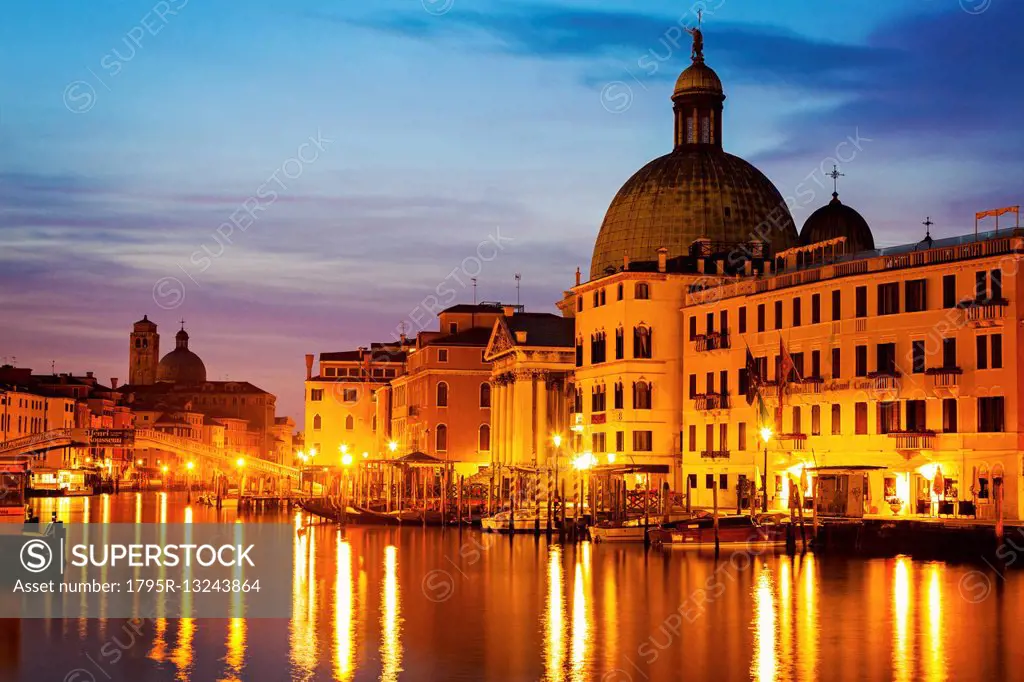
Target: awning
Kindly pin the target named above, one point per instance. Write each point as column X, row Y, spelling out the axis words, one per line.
column 632, row 469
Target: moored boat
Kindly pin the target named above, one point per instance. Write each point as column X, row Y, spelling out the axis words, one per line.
column 633, row 529
column 523, row 521
column 733, row 531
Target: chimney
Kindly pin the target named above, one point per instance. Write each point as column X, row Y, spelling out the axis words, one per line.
column 88, row 375
column 748, row 268
column 577, row 276
column 309, row 366
column 520, row 337
column 662, row 259
column 625, row 262
column 113, row 383
column 509, row 311
column 700, row 265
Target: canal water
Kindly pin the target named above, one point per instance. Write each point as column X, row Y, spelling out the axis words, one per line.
column 432, row 604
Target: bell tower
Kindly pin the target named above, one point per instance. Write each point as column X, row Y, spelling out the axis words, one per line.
column 143, row 352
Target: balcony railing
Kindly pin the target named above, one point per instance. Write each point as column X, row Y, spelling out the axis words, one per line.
column 714, row 454
column 979, row 310
column 884, row 381
column 712, row 401
column 944, row 377
column 807, row 386
column 913, row 440
column 712, row 341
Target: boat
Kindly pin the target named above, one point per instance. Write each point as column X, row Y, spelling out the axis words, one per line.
column 14, row 475
column 766, row 530
column 523, row 521
column 633, row 529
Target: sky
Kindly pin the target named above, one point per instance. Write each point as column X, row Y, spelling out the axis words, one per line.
column 300, row 177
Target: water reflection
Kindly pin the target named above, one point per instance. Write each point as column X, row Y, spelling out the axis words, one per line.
column 391, row 645
column 303, row 632
column 234, row 661
column 808, row 640
column 764, row 666
column 343, row 625
column 554, row 621
column 181, row 657
column 936, row 658
column 579, row 615
column 902, row 664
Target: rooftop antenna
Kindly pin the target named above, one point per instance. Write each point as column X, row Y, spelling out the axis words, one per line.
column 53, row 367
column 835, row 175
column 519, row 277
column 474, row 291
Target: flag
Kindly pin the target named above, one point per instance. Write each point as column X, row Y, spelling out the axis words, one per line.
column 753, row 378
column 762, row 411
column 785, row 367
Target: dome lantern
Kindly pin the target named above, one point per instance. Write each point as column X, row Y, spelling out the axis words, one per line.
column 697, row 101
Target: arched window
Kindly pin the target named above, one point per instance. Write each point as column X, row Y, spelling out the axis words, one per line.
column 641, row 395
column 138, row 343
column 642, row 342
column 350, row 423
column 485, row 438
column 442, row 394
column 316, row 422
column 620, row 343
column 579, row 351
column 441, row 438
column 618, row 395
column 641, row 291
column 485, row 394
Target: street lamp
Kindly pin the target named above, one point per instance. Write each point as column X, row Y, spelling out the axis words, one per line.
column 766, row 435
column 189, row 466
column 393, row 446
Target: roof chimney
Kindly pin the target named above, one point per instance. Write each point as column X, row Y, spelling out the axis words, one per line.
column 309, row 366
column 520, row 337
column 113, row 382
column 662, row 259
column 577, row 276
column 88, row 375
column 509, row 311
column 625, row 261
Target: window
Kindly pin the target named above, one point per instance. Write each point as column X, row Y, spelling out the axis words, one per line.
column 691, row 481
column 330, row 372
column 709, row 481
column 917, row 356
column 642, row 342
column 441, row 438
column 760, row 317
column 597, row 299
column 815, row 420
column 709, row 437
column 996, row 356
column 837, row 420
column 980, row 284
column 889, row 299
column 917, row 416
column 949, row 418
column 743, row 319
column 709, row 382
column 598, row 399
column 860, row 413
column 693, row 386
column 861, row 361
column 836, row 367
column 350, row 423
column 815, row 364
column 778, row 314
column 723, row 481
column 350, row 395
column 888, row 417
column 990, row 414
column 885, row 358
column 693, row 438
column 693, row 327
column 453, row 327
column 618, row 292
column 815, row 308
column 862, row 302
column 642, row 291
column 442, row 355
column 618, row 395
column 949, row 353
column 741, row 436
column 981, row 342
column 620, row 343
column 442, row 394
column 837, row 305
column 316, row 394
column 798, row 423
column 620, row 441
column 723, row 321
column 579, row 352
column 317, row 422
column 723, row 381
column 949, row 291
column 996, row 279
column 744, row 382
column 598, row 442
column 796, row 311
column 579, row 304
column 915, row 292
column 642, row 441
column 598, row 348
column 577, row 403
column 641, row 395
column 484, row 438
column 485, row 394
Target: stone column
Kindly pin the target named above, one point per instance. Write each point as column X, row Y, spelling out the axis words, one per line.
column 495, row 421
column 541, row 430
column 523, row 419
column 508, row 430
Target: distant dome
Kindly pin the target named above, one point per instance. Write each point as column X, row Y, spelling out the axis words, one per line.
column 836, row 219
column 181, row 366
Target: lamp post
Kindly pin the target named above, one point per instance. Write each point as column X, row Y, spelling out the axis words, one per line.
column 311, row 454
column 557, row 441
column 240, row 463
column 581, row 463
column 766, row 435
column 346, row 462
column 189, row 466
column 163, row 470
column 302, row 469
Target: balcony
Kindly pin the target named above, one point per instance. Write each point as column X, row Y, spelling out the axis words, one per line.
column 909, row 443
column 714, row 454
column 945, row 381
column 711, row 401
column 808, row 389
column 884, row 385
column 984, row 312
column 791, row 441
column 712, row 341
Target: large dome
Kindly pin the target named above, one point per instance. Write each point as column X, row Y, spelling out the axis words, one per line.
column 181, row 366
column 696, row 191
column 836, row 219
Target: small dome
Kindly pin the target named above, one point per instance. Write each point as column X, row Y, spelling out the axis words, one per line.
column 181, row 366
column 698, row 78
column 835, row 219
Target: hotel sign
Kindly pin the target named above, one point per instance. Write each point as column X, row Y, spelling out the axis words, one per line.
column 118, row 438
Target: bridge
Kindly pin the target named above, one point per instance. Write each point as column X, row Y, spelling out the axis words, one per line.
column 205, row 456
